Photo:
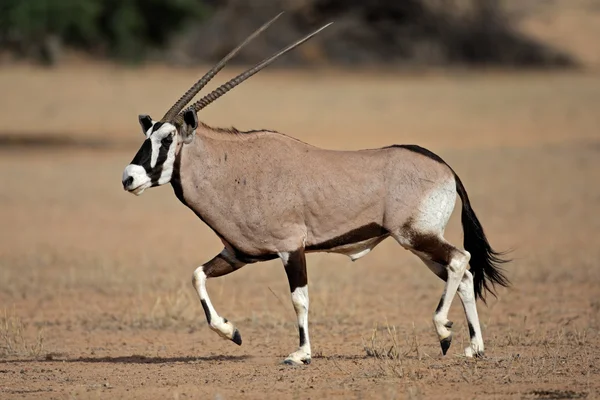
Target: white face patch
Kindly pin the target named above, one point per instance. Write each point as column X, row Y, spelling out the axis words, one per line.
column 167, row 167
column 155, row 151
column 141, row 181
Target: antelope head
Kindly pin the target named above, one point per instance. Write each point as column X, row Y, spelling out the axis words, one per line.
column 154, row 161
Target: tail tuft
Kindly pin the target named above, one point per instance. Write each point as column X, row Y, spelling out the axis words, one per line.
column 485, row 261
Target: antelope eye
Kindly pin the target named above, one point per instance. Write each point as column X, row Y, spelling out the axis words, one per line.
column 167, row 140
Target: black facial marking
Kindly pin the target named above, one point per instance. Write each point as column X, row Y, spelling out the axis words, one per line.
column 156, row 126
column 471, row 330
column 167, row 140
column 163, row 152
column 206, row 310
column 365, row 232
column 302, row 336
column 295, row 268
column 144, row 155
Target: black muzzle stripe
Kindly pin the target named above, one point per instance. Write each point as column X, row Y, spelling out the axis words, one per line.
column 144, row 156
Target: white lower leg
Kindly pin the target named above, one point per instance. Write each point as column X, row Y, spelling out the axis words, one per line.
column 301, row 302
column 467, row 296
column 456, row 269
column 224, row 328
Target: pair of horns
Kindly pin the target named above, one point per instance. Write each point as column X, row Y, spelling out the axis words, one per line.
column 221, row 90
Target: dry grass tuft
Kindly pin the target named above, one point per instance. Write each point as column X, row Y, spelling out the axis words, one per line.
column 14, row 340
column 389, row 348
column 173, row 309
column 392, row 360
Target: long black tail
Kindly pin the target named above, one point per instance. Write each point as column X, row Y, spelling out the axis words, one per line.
column 485, row 262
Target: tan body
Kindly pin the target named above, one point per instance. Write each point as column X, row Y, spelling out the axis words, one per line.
column 267, row 193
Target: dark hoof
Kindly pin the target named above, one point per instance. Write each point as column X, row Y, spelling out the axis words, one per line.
column 237, row 338
column 449, row 324
column 479, row 355
column 290, row 362
column 445, row 343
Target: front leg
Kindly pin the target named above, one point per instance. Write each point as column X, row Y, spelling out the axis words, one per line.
column 222, row 264
column 295, row 268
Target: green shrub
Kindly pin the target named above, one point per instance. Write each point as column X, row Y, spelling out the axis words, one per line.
column 123, row 29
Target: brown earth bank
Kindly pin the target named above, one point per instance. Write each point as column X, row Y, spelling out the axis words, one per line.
column 95, row 289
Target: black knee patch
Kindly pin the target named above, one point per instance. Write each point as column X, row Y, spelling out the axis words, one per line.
column 206, row 310
column 440, row 304
column 302, row 336
column 471, row 331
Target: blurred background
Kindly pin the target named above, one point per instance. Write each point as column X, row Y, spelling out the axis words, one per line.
column 529, row 33
column 506, row 91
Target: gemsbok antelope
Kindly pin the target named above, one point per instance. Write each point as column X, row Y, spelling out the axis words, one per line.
column 267, row 195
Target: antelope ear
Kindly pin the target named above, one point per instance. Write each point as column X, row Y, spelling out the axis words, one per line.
column 190, row 123
column 145, row 122
column 190, row 117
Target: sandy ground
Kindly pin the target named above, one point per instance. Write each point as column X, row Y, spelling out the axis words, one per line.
column 95, row 289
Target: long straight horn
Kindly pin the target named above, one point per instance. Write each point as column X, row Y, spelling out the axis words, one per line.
column 189, row 95
column 221, row 90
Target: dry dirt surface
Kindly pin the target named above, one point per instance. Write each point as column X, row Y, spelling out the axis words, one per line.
column 95, row 292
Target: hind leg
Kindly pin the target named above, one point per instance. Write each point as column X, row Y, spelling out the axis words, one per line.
column 454, row 261
column 467, row 297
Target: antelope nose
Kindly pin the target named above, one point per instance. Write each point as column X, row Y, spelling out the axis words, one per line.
column 127, row 181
